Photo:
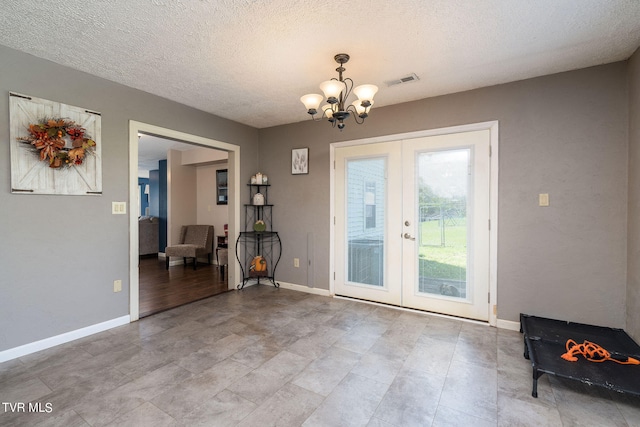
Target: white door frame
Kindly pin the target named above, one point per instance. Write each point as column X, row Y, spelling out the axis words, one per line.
column 234, row 200
column 493, row 127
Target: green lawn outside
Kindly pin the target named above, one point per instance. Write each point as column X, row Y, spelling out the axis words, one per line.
column 448, row 261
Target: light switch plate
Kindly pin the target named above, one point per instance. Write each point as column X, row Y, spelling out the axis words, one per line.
column 543, row 199
column 118, row 208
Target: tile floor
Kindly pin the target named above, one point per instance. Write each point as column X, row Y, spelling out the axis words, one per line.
column 267, row 357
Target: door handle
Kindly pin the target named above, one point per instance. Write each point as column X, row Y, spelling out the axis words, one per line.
column 408, row 236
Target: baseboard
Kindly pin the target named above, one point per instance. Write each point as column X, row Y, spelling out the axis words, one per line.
column 508, row 324
column 301, row 288
column 23, row 350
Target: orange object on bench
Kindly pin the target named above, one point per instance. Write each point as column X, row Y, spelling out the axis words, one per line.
column 594, row 353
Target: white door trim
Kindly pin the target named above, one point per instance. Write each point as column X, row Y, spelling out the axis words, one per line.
column 493, row 127
column 234, row 199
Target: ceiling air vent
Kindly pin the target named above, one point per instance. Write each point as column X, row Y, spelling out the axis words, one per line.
column 407, row 79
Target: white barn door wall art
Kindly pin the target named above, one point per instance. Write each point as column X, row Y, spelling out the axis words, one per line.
column 55, row 148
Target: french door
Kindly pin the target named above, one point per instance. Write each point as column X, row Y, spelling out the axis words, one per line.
column 412, row 223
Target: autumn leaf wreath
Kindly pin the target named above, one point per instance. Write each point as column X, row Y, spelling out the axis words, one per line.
column 48, row 140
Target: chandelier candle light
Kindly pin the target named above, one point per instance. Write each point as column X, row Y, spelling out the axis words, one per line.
column 337, row 92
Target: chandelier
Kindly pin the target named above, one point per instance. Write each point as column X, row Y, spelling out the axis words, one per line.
column 337, row 92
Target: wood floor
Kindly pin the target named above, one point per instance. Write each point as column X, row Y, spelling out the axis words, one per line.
column 162, row 289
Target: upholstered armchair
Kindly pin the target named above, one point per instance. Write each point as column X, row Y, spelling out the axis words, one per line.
column 148, row 233
column 195, row 241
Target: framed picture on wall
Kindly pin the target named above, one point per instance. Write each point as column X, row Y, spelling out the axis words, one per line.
column 55, row 148
column 222, row 189
column 299, row 161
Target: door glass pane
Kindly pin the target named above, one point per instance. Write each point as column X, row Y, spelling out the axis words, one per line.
column 443, row 191
column 365, row 191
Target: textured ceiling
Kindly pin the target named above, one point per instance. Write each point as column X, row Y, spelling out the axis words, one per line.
column 250, row 60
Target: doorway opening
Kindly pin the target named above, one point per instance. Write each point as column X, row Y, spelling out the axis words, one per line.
column 233, row 198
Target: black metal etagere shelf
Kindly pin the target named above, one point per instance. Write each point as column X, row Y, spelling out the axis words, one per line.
column 264, row 243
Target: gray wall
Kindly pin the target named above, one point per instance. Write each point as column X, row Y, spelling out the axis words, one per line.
column 565, row 134
column 60, row 254
column 633, row 270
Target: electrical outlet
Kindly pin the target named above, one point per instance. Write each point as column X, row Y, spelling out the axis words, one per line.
column 296, row 262
column 117, row 285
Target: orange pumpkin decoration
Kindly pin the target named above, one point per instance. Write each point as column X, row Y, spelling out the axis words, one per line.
column 258, row 265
